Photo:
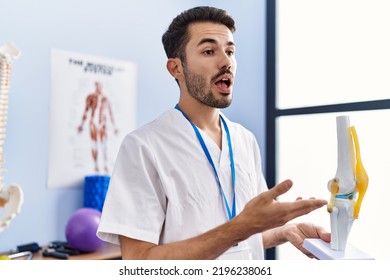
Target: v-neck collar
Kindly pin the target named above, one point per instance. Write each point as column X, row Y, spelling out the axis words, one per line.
column 219, row 155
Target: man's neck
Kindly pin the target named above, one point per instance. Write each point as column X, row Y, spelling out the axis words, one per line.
column 204, row 117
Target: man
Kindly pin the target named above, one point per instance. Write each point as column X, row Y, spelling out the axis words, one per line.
column 99, row 107
column 189, row 184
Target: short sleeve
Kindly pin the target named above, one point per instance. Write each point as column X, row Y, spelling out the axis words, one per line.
column 135, row 202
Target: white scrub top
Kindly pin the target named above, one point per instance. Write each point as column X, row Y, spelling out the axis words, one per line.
column 163, row 189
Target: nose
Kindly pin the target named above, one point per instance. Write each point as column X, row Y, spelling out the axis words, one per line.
column 225, row 61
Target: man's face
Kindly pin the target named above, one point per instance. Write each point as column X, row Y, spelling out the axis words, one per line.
column 210, row 64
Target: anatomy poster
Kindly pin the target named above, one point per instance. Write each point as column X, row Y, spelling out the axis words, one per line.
column 92, row 108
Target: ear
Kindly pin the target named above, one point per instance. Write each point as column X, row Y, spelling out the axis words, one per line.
column 175, row 68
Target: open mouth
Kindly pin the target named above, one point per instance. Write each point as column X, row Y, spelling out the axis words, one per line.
column 224, row 83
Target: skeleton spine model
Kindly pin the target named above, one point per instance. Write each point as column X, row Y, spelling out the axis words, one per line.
column 11, row 198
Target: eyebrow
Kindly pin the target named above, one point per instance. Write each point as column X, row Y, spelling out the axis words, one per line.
column 213, row 41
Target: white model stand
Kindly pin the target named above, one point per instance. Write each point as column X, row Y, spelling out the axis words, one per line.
column 347, row 190
column 322, row 251
column 11, row 197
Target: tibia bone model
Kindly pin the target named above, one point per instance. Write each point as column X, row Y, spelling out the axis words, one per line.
column 11, row 197
column 349, row 185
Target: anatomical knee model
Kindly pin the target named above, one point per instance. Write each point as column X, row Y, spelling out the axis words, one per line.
column 349, row 185
column 11, row 198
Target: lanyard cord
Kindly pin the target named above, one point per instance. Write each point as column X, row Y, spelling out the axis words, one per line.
column 230, row 212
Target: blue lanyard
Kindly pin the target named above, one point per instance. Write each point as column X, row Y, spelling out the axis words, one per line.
column 230, row 212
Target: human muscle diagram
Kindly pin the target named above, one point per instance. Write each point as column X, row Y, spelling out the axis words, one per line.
column 92, row 108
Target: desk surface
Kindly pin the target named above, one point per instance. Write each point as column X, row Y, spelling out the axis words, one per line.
column 107, row 251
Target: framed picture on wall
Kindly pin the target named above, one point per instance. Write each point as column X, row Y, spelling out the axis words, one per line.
column 92, row 107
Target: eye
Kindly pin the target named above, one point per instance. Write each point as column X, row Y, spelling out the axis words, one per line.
column 208, row 52
column 230, row 53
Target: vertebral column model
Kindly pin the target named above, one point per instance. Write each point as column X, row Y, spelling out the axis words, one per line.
column 349, row 185
column 11, row 198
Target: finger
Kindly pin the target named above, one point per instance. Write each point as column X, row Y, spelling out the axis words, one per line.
column 303, row 207
column 323, row 234
column 300, row 198
column 297, row 241
column 280, row 189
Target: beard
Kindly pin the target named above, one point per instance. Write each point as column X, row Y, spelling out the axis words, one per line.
column 197, row 88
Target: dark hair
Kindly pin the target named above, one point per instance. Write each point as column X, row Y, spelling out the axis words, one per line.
column 176, row 37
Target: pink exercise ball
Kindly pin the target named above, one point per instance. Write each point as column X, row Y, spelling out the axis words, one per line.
column 81, row 230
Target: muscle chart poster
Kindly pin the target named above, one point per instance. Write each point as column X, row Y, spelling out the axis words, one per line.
column 92, row 108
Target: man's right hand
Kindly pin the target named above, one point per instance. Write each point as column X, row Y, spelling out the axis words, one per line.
column 264, row 212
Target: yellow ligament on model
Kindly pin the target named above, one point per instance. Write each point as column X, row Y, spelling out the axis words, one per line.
column 334, row 189
column 361, row 174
